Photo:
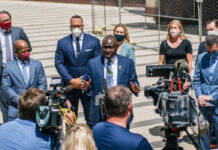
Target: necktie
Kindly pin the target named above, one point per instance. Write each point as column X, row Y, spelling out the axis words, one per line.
column 109, row 75
column 77, row 48
column 7, row 48
column 24, row 72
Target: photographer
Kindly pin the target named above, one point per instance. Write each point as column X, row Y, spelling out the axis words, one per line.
column 22, row 133
column 118, row 106
column 206, row 87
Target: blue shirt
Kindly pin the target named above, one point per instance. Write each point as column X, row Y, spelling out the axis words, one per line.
column 109, row 136
column 23, row 135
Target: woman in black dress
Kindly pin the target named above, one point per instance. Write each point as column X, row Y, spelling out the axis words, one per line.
column 176, row 46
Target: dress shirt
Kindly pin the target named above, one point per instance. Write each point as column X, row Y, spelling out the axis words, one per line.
column 27, row 67
column 80, row 43
column 2, row 41
column 114, row 69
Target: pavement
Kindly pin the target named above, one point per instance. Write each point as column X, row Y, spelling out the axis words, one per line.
column 47, row 22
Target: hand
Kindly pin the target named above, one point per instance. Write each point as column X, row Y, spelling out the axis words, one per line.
column 76, row 82
column 70, row 117
column 85, row 85
column 203, row 98
column 135, row 87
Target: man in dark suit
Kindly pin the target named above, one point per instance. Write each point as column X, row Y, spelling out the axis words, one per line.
column 115, row 69
column 206, row 87
column 21, row 74
column 8, row 35
column 71, row 58
column 212, row 28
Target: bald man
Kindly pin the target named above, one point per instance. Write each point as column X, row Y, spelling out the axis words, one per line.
column 20, row 74
column 115, row 69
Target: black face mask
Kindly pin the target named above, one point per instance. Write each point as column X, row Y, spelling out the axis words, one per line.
column 119, row 37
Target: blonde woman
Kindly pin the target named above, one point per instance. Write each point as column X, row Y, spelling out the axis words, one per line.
column 176, row 46
column 124, row 48
column 79, row 137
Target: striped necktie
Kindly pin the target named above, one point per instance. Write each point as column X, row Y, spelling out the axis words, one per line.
column 109, row 74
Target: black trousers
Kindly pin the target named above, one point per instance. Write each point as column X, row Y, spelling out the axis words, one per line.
column 4, row 101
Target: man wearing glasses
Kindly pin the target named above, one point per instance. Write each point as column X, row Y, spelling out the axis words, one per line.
column 71, row 58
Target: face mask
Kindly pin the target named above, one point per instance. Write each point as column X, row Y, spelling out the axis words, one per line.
column 25, row 56
column 5, row 25
column 77, row 32
column 213, row 32
column 119, row 37
column 174, row 33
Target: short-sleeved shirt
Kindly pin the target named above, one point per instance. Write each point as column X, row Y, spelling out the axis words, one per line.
column 109, row 136
column 174, row 54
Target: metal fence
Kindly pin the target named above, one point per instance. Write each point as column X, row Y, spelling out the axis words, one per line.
column 147, row 19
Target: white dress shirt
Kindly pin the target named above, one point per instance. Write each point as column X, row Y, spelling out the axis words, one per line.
column 114, row 65
column 2, row 40
column 80, row 43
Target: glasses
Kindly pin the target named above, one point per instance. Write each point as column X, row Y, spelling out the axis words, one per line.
column 76, row 26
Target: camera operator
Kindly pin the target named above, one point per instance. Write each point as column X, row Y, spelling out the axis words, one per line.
column 206, row 87
column 113, row 134
column 22, row 132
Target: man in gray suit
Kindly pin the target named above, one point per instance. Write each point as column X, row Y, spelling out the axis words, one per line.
column 8, row 35
column 21, row 74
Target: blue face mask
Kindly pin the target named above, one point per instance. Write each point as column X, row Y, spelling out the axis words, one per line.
column 119, row 37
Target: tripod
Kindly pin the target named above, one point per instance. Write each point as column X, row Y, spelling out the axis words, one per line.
column 171, row 135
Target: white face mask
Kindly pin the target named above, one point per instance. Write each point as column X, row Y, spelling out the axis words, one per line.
column 77, row 32
column 213, row 32
column 174, row 33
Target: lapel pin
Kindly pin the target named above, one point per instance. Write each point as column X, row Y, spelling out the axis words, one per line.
column 119, row 67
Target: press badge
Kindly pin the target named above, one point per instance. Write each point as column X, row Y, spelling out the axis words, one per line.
column 99, row 98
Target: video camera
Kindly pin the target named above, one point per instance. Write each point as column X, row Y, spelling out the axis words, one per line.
column 172, row 102
column 49, row 117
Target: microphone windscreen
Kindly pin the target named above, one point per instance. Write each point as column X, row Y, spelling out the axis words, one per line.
column 181, row 63
column 69, row 88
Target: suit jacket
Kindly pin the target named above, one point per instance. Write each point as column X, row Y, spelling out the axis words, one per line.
column 202, row 83
column 13, row 82
column 95, row 72
column 65, row 60
column 202, row 48
column 16, row 34
column 128, row 51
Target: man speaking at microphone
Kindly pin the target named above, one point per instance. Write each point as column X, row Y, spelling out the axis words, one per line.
column 115, row 69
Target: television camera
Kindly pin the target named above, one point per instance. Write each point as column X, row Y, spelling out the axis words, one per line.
column 171, row 100
column 49, row 118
